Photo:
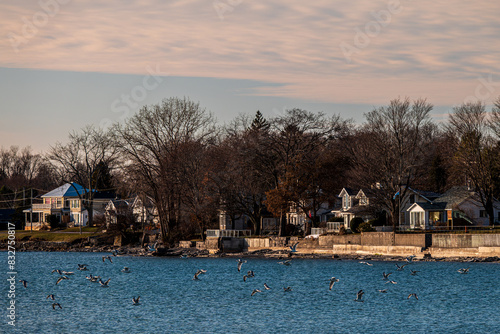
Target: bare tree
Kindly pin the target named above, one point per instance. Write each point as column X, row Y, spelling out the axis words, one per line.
column 477, row 151
column 151, row 142
column 81, row 161
column 387, row 151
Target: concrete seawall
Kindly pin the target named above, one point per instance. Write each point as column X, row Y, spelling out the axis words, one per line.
column 374, row 243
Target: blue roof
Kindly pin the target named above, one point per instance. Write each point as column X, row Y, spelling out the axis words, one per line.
column 67, row 190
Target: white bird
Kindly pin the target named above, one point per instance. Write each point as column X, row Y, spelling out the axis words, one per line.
column 333, row 280
column 293, row 248
column 255, row 291
column 125, row 270
column 107, row 257
column 67, row 272
column 51, row 297
column 386, row 276
column 400, row 267
column 266, row 286
column 82, row 267
column 392, row 282
column 25, row 283
column 240, row 263
column 368, row 264
column 410, row 258
column 383, row 291
column 54, row 305
column 359, row 296
column 286, row 263
column 463, row 270
column 136, row 300
column 287, row 289
column 414, row 272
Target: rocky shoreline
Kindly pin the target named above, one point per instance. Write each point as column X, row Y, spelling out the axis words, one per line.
column 136, row 250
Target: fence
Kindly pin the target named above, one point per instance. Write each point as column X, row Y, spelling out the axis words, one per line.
column 228, row 233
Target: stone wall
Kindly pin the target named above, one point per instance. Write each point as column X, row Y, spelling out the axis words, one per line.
column 465, row 240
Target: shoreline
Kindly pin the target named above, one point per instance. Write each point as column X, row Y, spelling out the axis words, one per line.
column 278, row 254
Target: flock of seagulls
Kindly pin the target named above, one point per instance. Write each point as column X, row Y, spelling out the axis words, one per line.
column 63, row 276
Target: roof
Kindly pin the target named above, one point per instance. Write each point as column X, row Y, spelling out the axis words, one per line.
column 349, row 191
column 429, row 206
column 67, row 190
column 455, row 196
column 430, row 195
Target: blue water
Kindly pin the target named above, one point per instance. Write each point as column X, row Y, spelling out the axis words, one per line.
column 220, row 302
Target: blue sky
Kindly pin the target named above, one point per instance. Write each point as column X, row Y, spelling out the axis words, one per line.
column 68, row 63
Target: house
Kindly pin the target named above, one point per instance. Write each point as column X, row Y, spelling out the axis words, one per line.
column 65, row 204
column 354, row 204
column 413, row 196
column 459, row 206
column 144, row 212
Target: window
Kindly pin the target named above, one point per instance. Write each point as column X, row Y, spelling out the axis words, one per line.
column 417, row 219
column 482, row 214
column 412, row 198
column 75, row 204
column 363, row 201
column 346, row 201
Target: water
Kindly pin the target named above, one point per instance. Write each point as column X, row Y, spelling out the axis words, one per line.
column 220, row 302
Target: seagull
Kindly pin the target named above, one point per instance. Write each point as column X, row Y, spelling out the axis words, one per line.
column 51, row 297
column 82, row 267
column 136, row 300
column 293, row 249
column 25, row 283
column 400, row 267
column 104, row 284
column 386, row 276
column 332, row 281
column 286, row 263
column 414, row 295
column 414, row 272
column 463, row 270
column 66, row 273
column 114, row 252
column 392, row 282
column 368, row 264
column 383, row 291
column 250, row 273
column 255, row 291
column 266, row 286
column 57, row 270
column 287, row 289
column 245, row 278
column 359, row 296
column 54, row 305
column 183, row 256
column 153, row 248
column 107, row 257
column 198, row 273
column 125, row 270
column 60, row 279
column 240, row 263
column 410, row 258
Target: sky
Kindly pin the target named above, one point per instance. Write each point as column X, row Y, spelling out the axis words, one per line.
column 68, row 63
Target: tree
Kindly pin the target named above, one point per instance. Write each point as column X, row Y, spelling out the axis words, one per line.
column 82, row 159
column 477, row 152
column 152, row 143
column 387, row 151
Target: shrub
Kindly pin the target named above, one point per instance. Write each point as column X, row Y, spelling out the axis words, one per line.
column 53, row 221
column 365, row 227
column 355, row 222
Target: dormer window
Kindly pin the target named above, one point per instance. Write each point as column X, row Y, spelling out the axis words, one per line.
column 363, row 201
column 346, row 201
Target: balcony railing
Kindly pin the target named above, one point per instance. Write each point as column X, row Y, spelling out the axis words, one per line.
column 228, row 233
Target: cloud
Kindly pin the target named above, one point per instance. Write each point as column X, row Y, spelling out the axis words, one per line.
column 423, row 48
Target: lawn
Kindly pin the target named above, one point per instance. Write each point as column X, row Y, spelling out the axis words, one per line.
column 58, row 236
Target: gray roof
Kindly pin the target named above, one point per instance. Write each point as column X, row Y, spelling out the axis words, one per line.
column 432, row 206
column 455, row 196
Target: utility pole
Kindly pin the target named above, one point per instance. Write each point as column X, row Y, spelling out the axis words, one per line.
column 31, row 210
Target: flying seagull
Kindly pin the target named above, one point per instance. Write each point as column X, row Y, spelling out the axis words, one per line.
column 266, row 286
column 82, row 267
column 332, row 282
column 400, row 267
column 25, row 283
column 382, row 290
column 414, row 295
column 67, row 272
column 410, row 258
column 240, row 263
column 57, row 270
column 255, row 291
column 107, row 257
column 364, row 262
column 125, row 270
column 51, row 297
column 136, row 300
column 287, row 289
column 386, row 276
column 198, row 273
column 463, row 270
column 293, row 248
column 104, row 284
column 60, row 279
column 392, row 282
column 414, row 272
column 286, row 263
column 359, row 296
column 54, row 305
